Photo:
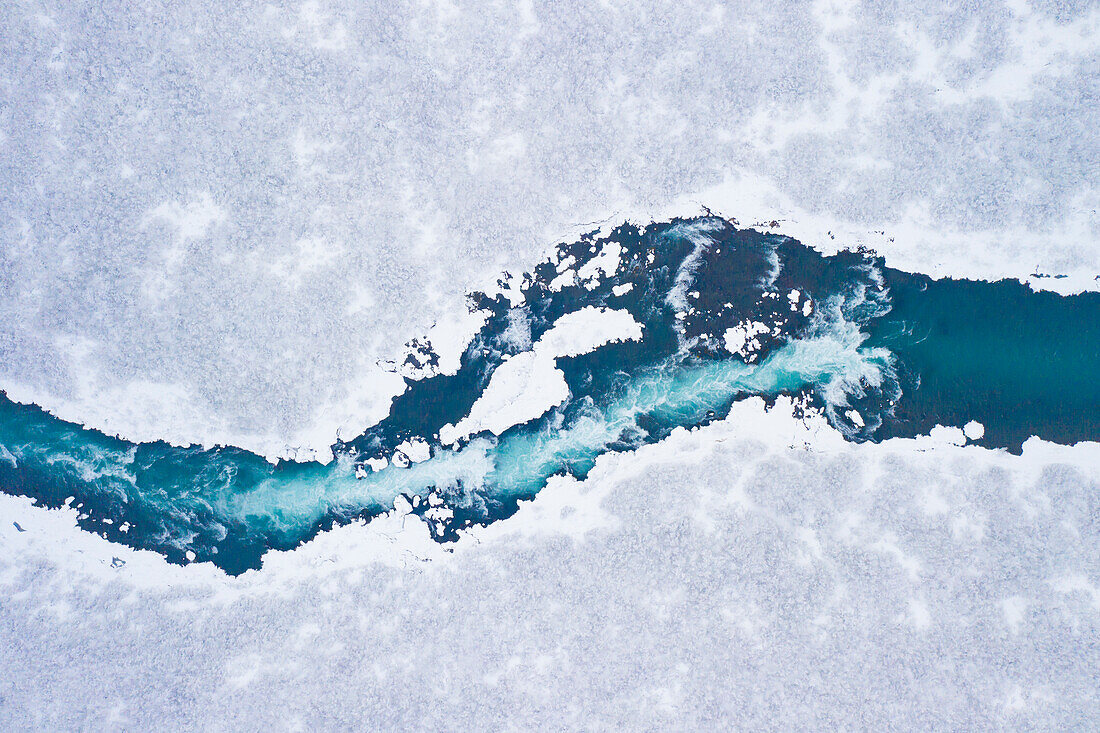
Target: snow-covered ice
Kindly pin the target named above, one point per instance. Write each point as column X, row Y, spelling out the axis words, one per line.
column 219, row 220
column 222, row 223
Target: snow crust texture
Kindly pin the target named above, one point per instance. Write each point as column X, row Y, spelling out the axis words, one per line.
column 221, row 222
column 731, row 576
column 217, row 218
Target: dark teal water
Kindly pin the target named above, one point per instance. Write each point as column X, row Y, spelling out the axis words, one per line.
column 1021, row 363
column 902, row 352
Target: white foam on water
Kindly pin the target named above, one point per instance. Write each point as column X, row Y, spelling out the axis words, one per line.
column 831, row 360
column 292, row 502
column 698, row 234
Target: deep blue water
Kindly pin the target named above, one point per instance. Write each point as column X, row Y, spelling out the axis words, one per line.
column 881, row 352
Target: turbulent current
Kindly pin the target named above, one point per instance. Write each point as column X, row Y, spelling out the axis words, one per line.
column 611, row 344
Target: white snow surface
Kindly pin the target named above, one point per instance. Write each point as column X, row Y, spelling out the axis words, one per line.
column 219, row 218
column 587, row 329
column 757, row 573
column 604, row 264
column 974, row 430
column 741, row 339
column 221, row 222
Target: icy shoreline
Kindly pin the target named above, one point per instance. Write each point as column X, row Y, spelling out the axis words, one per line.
column 401, row 537
column 752, row 203
column 761, row 535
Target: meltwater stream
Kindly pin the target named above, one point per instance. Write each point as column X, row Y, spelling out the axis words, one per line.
column 612, row 344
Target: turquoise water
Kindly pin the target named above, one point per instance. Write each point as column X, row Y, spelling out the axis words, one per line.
column 1020, row 362
column 905, row 352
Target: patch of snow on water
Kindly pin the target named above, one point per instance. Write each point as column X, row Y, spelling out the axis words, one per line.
column 741, row 339
column 529, row 384
column 588, row 329
column 974, row 430
column 604, row 264
column 521, row 389
column 415, row 450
